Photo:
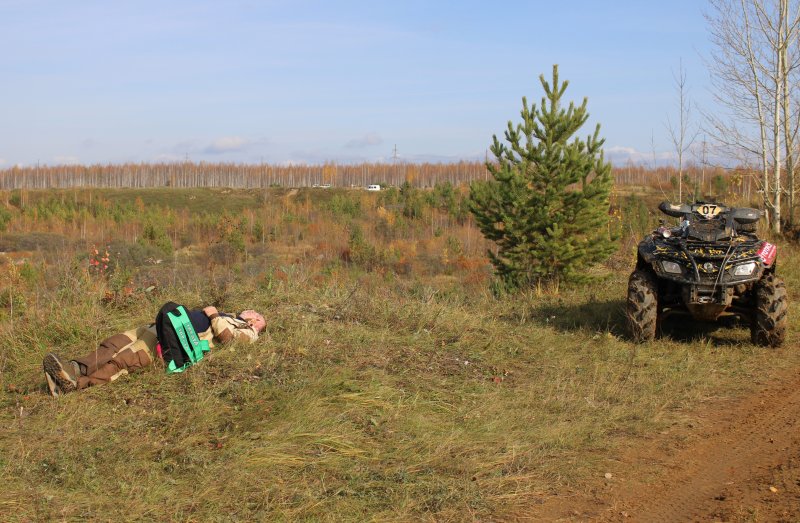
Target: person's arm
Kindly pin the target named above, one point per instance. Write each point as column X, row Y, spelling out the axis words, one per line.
column 226, row 329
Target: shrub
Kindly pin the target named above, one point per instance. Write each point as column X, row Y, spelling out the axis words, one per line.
column 34, row 241
column 411, row 200
column 5, row 218
column 635, row 216
column 155, row 235
column 720, row 185
column 131, row 255
column 343, row 205
column 361, row 252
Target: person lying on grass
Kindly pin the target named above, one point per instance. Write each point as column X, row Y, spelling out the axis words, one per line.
column 126, row 352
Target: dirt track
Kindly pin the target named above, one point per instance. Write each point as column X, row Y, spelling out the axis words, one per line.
column 740, row 462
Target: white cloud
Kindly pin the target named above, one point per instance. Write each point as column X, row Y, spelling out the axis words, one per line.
column 619, row 155
column 618, row 149
column 2, row 161
column 66, row 160
column 368, row 140
column 227, row 144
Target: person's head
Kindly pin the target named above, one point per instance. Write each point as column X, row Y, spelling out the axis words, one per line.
column 254, row 319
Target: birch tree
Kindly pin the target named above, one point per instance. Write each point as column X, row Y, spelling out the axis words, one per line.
column 682, row 133
column 755, row 55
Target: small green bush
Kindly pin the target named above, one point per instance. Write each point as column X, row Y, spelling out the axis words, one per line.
column 155, row 235
column 361, row 252
column 344, row 206
column 5, row 218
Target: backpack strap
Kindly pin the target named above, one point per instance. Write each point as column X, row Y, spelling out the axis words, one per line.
column 193, row 346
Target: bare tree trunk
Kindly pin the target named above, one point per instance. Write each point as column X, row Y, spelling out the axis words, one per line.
column 751, row 60
column 678, row 135
column 791, row 61
column 776, row 123
column 787, row 124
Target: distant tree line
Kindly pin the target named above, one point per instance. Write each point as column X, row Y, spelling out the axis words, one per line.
column 189, row 174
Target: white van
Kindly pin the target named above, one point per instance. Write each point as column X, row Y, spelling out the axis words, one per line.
column 373, row 187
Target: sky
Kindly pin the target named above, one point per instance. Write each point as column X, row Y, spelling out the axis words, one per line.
column 308, row 81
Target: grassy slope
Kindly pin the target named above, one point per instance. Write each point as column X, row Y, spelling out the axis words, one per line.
column 372, row 398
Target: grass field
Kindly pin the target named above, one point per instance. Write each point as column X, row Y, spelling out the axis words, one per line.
column 391, row 383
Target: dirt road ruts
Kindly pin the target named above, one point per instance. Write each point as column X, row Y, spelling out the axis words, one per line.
column 738, row 461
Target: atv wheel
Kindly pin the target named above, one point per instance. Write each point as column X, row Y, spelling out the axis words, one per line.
column 768, row 327
column 642, row 308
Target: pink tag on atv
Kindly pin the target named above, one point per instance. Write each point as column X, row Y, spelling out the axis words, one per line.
column 767, row 253
column 158, row 351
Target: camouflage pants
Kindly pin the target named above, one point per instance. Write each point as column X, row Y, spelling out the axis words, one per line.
column 116, row 356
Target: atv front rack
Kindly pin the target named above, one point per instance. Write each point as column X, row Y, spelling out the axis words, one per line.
column 707, row 261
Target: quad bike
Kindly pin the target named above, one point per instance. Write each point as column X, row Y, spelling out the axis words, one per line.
column 711, row 266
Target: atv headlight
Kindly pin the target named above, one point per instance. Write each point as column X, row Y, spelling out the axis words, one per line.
column 744, row 269
column 671, row 267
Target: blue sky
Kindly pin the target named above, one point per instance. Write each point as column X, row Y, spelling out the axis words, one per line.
column 309, row 81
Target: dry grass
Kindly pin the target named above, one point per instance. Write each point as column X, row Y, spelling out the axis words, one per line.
column 373, row 398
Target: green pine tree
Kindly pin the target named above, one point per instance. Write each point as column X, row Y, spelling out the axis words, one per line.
column 547, row 207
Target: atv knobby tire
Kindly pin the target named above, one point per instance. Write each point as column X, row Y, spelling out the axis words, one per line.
column 642, row 307
column 768, row 327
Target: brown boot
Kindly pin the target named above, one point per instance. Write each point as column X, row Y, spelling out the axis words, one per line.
column 60, row 378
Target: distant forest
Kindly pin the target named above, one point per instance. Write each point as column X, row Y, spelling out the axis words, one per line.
column 235, row 175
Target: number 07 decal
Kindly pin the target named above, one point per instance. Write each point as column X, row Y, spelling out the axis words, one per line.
column 708, row 210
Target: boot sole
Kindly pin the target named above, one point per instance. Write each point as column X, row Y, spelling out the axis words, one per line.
column 54, row 370
column 52, row 385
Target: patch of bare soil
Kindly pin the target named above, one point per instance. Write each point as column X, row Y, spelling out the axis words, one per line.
column 737, row 461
